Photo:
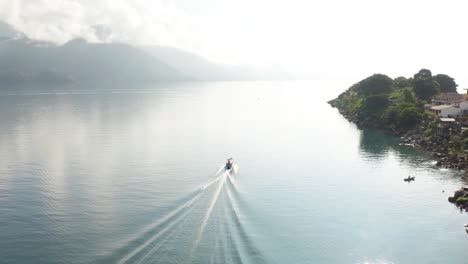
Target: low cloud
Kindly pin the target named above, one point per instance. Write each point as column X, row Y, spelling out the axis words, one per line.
column 140, row 22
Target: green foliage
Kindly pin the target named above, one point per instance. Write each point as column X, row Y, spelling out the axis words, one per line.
column 464, row 133
column 401, row 82
column 398, row 103
column 348, row 101
column 410, row 115
column 456, row 144
column 399, row 96
column 465, row 144
column 374, row 104
column 446, row 83
column 425, row 89
column 423, row 74
column 429, row 133
column 462, row 200
column 391, row 116
column 404, row 115
column 408, row 96
column 375, row 84
column 431, row 116
column 430, row 125
column 424, row 86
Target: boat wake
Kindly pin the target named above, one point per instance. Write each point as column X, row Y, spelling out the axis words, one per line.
column 205, row 226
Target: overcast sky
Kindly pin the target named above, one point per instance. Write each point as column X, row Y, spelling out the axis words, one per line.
column 333, row 38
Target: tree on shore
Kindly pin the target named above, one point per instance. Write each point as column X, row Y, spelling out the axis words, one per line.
column 446, row 83
column 424, row 85
column 393, row 103
column 375, row 84
column 401, row 82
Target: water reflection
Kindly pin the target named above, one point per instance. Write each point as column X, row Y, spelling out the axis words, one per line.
column 373, row 145
column 376, row 146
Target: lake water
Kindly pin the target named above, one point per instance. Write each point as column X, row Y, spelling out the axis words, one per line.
column 135, row 176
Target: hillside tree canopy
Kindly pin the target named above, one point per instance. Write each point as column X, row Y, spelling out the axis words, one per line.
column 424, row 85
column 446, row 83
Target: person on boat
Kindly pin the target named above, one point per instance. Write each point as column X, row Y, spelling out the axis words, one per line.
column 229, row 164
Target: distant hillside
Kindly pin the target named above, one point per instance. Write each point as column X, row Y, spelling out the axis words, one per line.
column 23, row 60
column 200, row 68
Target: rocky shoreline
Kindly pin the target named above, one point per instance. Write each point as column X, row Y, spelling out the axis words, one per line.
column 462, row 193
column 438, row 148
column 460, row 198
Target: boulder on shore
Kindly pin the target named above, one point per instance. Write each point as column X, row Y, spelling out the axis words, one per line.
column 460, row 197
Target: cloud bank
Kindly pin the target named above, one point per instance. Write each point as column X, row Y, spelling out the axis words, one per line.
column 140, row 22
column 338, row 38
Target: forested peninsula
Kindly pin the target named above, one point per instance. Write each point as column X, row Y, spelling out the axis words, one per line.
column 424, row 110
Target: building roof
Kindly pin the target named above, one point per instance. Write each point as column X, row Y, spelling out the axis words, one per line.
column 448, row 94
column 441, row 107
column 447, row 119
column 449, row 98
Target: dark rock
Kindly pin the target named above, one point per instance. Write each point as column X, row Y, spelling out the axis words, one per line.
column 459, row 194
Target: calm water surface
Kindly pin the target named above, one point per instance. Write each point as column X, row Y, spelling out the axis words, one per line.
column 135, row 176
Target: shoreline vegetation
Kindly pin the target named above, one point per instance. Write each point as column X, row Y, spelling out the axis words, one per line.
column 425, row 111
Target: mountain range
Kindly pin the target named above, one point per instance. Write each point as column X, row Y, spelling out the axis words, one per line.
column 23, row 60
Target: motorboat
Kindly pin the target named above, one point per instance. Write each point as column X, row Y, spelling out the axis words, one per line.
column 229, row 164
column 409, row 178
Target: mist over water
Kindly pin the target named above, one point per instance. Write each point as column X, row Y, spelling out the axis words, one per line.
column 137, row 176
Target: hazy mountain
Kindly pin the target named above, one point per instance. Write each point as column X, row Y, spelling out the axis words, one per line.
column 200, row 68
column 80, row 61
column 23, row 60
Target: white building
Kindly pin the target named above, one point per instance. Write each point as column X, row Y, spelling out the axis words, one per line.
column 447, row 110
column 464, row 106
